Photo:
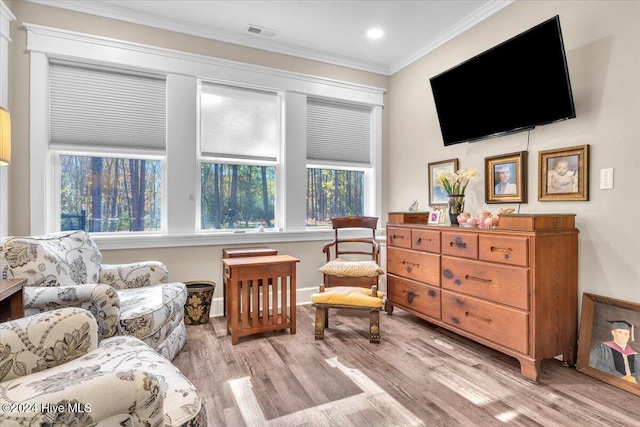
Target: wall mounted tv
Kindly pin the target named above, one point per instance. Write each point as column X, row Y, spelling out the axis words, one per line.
column 514, row 86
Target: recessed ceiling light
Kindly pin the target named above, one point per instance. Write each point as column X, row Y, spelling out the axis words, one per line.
column 375, row 33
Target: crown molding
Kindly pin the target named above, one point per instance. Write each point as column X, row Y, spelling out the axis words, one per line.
column 453, row 32
column 114, row 12
column 251, row 41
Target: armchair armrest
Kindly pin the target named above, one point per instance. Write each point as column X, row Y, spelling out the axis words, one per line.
column 133, row 275
column 42, row 341
column 132, row 395
column 101, row 300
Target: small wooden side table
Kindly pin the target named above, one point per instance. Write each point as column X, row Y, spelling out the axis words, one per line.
column 11, row 299
column 261, row 294
column 242, row 253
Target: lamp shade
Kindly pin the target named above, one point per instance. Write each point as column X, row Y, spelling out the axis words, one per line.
column 5, row 137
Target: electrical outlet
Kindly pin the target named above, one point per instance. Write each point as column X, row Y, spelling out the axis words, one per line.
column 606, row 179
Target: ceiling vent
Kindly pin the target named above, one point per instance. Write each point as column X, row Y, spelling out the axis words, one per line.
column 261, row 31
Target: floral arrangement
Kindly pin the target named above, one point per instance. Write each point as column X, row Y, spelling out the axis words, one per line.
column 455, row 183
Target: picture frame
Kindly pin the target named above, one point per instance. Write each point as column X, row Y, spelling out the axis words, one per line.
column 506, row 180
column 443, row 217
column 434, row 217
column 603, row 323
column 564, row 174
column 437, row 195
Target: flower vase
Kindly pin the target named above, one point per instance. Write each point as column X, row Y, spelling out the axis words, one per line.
column 456, row 207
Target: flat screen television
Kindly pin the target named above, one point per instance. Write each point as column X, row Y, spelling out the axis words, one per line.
column 514, row 86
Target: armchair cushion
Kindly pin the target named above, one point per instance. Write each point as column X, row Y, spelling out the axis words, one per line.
column 133, row 275
column 341, row 268
column 57, row 259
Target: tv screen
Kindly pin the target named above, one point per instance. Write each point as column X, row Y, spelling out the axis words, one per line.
column 514, row 86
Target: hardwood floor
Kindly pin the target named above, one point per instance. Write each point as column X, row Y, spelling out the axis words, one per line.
column 418, row 375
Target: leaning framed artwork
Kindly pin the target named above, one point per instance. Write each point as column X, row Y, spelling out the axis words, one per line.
column 609, row 341
column 564, row 174
column 506, row 178
column 437, row 195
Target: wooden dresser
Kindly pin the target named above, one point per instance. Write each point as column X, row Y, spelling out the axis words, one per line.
column 514, row 290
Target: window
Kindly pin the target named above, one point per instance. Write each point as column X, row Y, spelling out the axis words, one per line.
column 339, row 139
column 239, row 142
column 107, row 110
column 222, row 145
column 110, row 194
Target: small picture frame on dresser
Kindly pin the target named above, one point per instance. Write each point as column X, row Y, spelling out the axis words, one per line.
column 434, row 217
column 610, row 341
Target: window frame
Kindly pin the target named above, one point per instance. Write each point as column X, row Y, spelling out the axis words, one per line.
column 183, row 70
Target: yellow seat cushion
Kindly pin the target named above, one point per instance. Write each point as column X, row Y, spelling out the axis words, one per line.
column 348, row 296
column 341, row 268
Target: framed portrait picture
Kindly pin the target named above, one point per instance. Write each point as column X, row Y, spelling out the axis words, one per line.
column 434, row 217
column 506, row 178
column 564, row 174
column 609, row 341
column 437, row 195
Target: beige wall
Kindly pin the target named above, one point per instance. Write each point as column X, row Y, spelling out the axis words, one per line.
column 184, row 263
column 601, row 40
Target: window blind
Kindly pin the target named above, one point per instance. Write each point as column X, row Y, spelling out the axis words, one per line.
column 106, row 107
column 238, row 122
column 338, row 132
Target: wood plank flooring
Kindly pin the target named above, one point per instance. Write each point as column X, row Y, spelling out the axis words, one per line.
column 419, row 375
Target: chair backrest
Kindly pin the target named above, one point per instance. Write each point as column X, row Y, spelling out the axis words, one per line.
column 365, row 245
column 56, row 259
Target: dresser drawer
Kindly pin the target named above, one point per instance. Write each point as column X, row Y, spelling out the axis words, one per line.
column 425, row 240
column 422, row 298
column 504, row 249
column 497, row 283
column 460, row 244
column 419, row 266
column 400, row 237
column 502, row 325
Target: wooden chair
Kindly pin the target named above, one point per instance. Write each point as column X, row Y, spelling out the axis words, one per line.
column 365, row 248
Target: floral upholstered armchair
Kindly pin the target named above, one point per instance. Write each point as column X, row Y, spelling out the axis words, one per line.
column 65, row 270
column 55, row 372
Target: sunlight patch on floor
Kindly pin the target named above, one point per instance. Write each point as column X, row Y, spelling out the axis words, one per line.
column 372, row 398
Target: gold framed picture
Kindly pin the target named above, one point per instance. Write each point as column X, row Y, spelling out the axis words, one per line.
column 564, row 174
column 506, row 178
column 609, row 341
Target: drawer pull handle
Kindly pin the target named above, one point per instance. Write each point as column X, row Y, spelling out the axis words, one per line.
column 479, row 279
column 420, row 240
column 501, row 250
column 410, row 297
column 475, row 316
column 410, row 265
column 394, row 236
column 460, row 245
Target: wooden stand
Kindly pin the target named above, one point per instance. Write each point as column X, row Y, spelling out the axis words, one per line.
column 262, row 294
column 11, row 299
column 242, row 253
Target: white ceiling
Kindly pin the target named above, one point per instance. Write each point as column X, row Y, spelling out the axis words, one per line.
column 331, row 31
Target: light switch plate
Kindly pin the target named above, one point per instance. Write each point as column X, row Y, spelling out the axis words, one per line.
column 606, row 179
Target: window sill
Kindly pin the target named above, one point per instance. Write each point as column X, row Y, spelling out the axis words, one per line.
column 143, row 241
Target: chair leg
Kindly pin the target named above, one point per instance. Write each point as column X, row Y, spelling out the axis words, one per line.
column 374, row 326
column 326, row 318
column 320, row 322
